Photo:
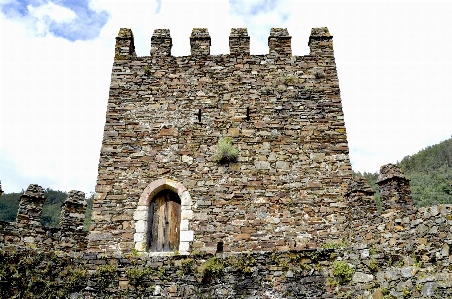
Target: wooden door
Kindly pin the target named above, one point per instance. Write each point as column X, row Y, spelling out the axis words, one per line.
column 164, row 222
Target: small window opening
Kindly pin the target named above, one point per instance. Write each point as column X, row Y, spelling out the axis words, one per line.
column 220, row 247
column 248, row 113
column 199, row 115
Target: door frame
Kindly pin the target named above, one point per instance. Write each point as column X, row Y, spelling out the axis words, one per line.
column 141, row 216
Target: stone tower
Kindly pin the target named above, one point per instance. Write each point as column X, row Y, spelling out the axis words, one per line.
column 160, row 187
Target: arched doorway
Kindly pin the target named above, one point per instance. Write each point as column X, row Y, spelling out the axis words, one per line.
column 164, row 222
column 178, row 202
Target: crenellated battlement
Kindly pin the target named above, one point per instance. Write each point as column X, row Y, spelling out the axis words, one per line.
column 279, row 42
column 28, row 231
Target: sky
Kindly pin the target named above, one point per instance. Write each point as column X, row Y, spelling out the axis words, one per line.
column 394, row 61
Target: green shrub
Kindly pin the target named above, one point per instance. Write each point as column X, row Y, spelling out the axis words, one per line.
column 246, row 263
column 106, row 276
column 187, row 265
column 335, row 244
column 212, row 268
column 226, row 152
column 342, row 271
column 136, row 275
column 147, row 70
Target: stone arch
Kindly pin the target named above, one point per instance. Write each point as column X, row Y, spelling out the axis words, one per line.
column 141, row 215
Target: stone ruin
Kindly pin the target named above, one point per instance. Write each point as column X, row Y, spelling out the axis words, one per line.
column 28, row 231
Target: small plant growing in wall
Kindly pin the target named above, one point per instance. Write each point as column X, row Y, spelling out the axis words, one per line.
column 318, row 73
column 342, row 271
column 106, row 275
column 147, row 70
column 136, row 275
column 226, row 152
column 212, row 268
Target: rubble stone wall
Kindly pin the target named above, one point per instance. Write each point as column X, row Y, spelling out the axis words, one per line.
column 283, row 114
column 403, row 250
column 27, row 230
column 345, row 272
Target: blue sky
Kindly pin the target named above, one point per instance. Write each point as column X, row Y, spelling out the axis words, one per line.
column 71, row 20
column 394, row 62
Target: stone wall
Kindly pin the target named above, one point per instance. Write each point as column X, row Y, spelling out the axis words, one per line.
column 27, row 231
column 342, row 272
column 399, row 226
column 403, row 250
column 166, row 115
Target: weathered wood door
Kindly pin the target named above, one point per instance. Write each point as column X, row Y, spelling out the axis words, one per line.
column 164, row 222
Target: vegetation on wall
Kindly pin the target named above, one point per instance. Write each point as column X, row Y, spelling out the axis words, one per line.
column 226, row 152
column 35, row 274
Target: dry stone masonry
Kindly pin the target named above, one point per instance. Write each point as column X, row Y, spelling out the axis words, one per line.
column 284, row 219
column 166, row 115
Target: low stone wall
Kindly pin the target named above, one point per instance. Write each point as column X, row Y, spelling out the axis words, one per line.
column 28, row 231
column 345, row 272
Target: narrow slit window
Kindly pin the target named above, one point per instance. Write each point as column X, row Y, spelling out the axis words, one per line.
column 248, row 113
column 220, row 247
column 199, row 115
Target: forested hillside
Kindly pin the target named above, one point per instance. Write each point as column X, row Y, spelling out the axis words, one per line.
column 9, row 203
column 430, row 172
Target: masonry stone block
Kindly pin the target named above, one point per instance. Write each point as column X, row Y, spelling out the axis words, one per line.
column 141, row 215
column 186, row 214
column 186, row 236
column 139, row 237
column 184, row 247
column 184, row 224
column 141, row 226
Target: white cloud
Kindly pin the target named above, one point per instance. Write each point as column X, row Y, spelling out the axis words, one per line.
column 53, row 12
column 49, row 13
column 54, row 94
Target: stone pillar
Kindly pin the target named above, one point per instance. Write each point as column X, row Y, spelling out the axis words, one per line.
column 239, row 42
column 200, row 42
column 321, row 42
column 73, row 211
column 124, row 48
column 279, row 42
column 360, row 199
column 30, row 206
column 394, row 188
column 71, row 221
column 363, row 217
column 161, row 43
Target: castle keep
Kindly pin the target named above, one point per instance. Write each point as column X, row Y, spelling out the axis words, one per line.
column 159, row 187
column 278, row 217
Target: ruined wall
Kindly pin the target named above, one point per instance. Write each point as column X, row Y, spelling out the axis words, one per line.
column 164, row 119
column 27, row 231
column 403, row 250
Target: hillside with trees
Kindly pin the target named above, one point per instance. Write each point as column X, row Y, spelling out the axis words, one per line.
column 430, row 172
